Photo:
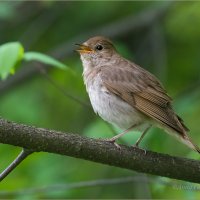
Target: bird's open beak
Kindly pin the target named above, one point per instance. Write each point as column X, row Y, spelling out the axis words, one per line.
column 84, row 49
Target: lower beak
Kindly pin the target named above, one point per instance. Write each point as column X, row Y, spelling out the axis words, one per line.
column 84, row 49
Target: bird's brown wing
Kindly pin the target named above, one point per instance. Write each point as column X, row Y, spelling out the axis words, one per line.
column 144, row 92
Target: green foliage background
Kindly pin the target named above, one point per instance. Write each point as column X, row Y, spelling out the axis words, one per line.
column 169, row 48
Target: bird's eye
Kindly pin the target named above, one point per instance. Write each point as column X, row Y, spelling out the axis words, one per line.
column 99, row 47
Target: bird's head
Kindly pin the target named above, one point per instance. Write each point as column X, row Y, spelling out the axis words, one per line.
column 96, row 51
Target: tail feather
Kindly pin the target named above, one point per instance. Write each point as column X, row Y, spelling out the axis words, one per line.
column 182, row 134
column 189, row 143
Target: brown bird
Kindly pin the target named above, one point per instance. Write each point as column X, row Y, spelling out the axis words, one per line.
column 124, row 94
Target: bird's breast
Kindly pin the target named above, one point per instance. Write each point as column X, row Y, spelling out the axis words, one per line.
column 109, row 106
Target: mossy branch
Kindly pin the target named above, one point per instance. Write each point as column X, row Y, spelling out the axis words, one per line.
column 74, row 145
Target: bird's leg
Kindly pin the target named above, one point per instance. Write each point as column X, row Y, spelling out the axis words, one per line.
column 113, row 139
column 141, row 137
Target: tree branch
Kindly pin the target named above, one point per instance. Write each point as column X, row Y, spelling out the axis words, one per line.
column 74, row 145
column 23, row 154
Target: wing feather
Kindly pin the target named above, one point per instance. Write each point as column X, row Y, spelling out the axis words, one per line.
column 144, row 92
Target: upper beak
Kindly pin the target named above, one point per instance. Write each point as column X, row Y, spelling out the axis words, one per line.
column 84, row 49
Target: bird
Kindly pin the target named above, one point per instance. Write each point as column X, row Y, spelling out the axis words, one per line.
column 127, row 95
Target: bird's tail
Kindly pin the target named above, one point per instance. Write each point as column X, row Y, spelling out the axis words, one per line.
column 183, row 136
column 187, row 141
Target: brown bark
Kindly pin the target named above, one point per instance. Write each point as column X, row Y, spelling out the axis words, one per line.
column 74, row 145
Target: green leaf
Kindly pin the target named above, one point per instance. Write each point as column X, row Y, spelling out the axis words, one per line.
column 10, row 54
column 30, row 56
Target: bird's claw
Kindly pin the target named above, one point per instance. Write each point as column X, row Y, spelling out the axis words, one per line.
column 110, row 140
column 136, row 146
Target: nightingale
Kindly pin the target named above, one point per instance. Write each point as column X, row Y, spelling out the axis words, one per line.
column 126, row 95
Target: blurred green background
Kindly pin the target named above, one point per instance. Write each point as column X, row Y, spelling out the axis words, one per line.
column 161, row 36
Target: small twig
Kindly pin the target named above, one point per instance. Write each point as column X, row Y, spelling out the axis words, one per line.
column 23, row 154
column 61, row 89
column 83, row 184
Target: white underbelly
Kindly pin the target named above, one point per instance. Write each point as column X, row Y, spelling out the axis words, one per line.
column 112, row 109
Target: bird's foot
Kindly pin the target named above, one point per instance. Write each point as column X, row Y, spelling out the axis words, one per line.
column 112, row 141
